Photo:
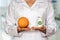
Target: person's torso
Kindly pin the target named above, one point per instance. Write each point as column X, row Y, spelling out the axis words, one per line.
column 38, row 10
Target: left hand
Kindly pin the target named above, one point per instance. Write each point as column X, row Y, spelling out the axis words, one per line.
column 43, row 28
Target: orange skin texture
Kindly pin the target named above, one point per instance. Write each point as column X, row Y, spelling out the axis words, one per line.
column 23, row 22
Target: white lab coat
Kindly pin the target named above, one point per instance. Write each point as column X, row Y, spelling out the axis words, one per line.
column 41, row 8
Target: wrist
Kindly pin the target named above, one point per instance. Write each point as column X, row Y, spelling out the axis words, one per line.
column 18, row 29
column 43, row 29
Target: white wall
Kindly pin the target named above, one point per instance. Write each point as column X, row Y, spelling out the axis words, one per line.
column 4, row 3
column 58, row 6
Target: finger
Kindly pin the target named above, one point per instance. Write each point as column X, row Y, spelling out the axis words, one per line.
column 18, row 29
column 25, row 29
column 32, row 28
column 35, row 28
column 43, row 28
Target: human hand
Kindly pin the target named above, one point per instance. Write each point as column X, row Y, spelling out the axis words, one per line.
column 43, row 28
column 23, row 29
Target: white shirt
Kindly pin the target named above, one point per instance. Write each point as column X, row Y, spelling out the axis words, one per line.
column 41, row 8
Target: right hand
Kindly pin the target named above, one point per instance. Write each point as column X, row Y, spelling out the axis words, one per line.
column 23, row 29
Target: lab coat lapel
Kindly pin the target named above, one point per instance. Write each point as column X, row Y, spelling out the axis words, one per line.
column 26, row 5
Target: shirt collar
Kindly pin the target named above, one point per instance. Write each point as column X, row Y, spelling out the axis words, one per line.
column 22, row 1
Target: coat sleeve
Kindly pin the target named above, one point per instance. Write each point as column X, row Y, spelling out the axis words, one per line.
column 11, row 24
column 50, row 21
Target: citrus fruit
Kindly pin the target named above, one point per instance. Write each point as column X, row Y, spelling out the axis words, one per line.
column 23, row 22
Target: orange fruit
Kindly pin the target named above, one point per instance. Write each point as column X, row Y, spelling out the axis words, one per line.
column 23, row 22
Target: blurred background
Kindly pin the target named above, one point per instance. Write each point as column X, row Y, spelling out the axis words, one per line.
column 3, row 7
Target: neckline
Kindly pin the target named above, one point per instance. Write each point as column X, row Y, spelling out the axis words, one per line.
column 33, row 5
